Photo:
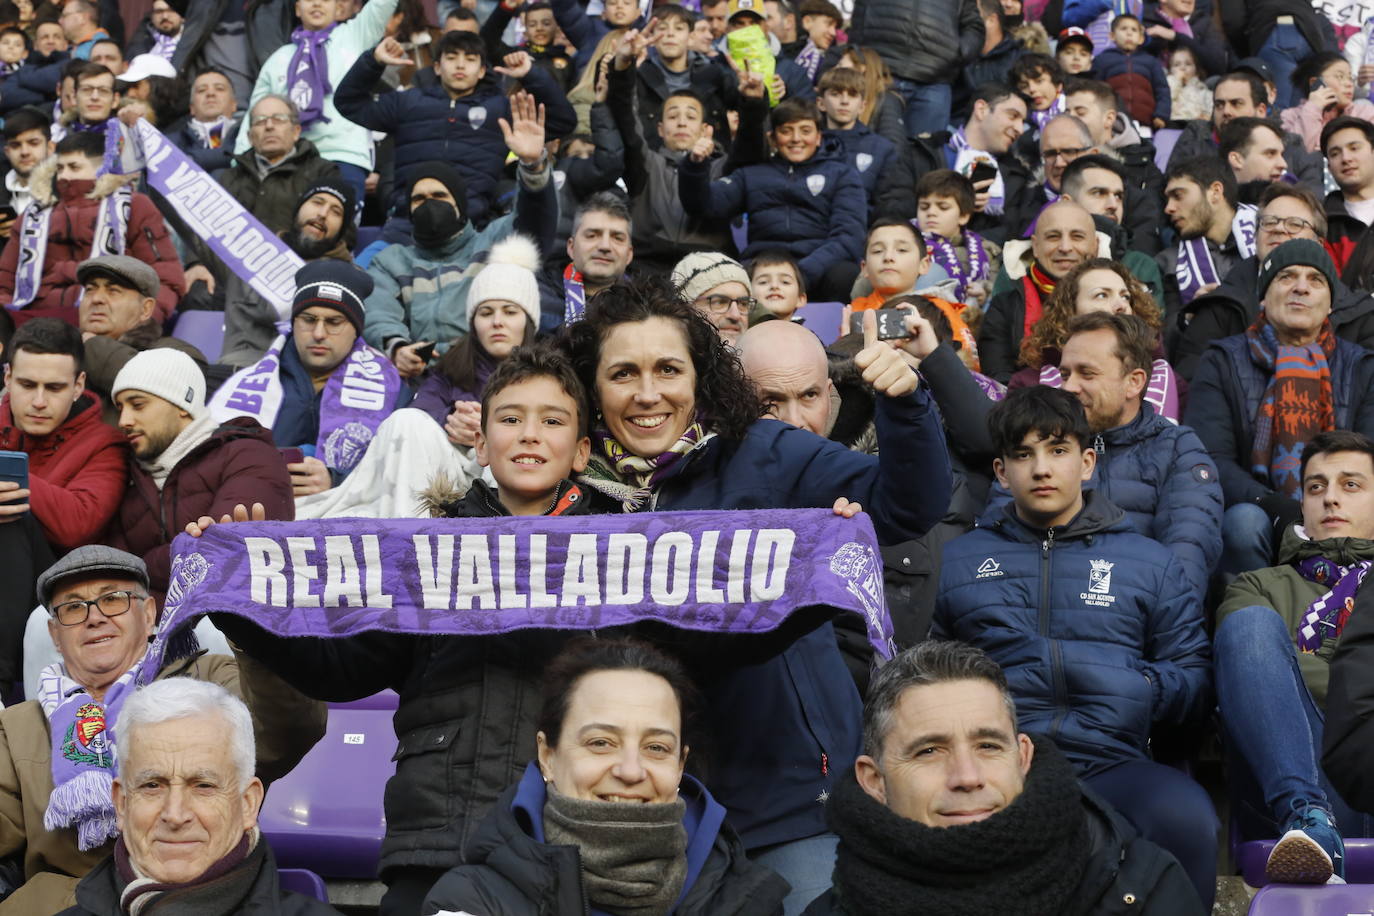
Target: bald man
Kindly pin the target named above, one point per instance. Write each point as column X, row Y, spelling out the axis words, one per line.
column 787, row 364
column 1064, row 237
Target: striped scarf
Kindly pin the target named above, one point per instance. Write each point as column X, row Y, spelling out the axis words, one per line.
column 622, row 475
column 1297, row 405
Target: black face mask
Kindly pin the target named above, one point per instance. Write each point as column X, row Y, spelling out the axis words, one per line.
column 434, row 222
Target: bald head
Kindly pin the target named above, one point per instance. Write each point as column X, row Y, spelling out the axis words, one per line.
column 1064, row 238
column 787, row 364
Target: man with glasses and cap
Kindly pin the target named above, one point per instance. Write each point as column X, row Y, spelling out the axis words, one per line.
column 61, row 746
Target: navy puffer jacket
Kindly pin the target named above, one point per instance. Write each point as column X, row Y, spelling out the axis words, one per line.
column 1162, row 477
column 816, row 210
column 425, row 124
column 870, row 154
column 1224, row 398
column 1097, row 628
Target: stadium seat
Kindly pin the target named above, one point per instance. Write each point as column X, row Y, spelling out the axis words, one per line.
column 203, row 330
column 1310, row 900
column 1165, row 141
column 326, row 814
column 823, row 318
column 1359, row 861
column 303, row 881
column 366, row 236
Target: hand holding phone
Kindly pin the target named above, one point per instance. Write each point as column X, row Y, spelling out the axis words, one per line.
column 891, row 323
column 14, row 485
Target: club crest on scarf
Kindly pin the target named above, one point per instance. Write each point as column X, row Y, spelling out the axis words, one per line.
column 87, row 741
column 857, row 565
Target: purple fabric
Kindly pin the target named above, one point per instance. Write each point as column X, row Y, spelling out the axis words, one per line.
column 1326, row 617
column 357, row 398
column 735, row 572
column 437, row 393
column 251, row 251
column 307, row 75
column 1161, row 393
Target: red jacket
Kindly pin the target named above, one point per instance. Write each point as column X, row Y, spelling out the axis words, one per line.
column 237, row 464
column 71, row 233
column 76, row 472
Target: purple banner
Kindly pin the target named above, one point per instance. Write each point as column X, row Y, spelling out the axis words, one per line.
column 246, row 246
column 738, row 571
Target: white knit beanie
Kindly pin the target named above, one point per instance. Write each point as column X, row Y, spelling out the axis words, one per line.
column 508, row 275
column 165, row 373
column 702, row 271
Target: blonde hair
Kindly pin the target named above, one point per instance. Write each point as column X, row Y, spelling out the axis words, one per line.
column 586, row 85
column 877, row 78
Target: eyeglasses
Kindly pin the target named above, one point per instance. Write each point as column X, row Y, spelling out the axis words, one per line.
column 94, row 92
column 260, row 120
column 1067, row 154
column 333, row 324
column 719, row 304
column 111, row 604
column 1292, row 225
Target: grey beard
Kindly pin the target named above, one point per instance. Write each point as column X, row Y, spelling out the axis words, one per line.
column 311, row 249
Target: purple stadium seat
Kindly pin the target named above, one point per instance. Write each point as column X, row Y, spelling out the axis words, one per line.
column 326, row 814
column 303, row 881
column 1318, row 900
column 203, row 330
column 1165, row 141
column 823, row 318
column 1359, row 861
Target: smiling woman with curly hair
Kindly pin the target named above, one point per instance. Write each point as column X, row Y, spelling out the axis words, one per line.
column 1096, row 285
column 676, row 426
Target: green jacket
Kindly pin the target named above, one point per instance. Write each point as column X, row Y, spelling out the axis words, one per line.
column 1289, row 594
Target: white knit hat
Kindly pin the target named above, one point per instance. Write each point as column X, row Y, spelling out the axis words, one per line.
column 165, row 373
column 509, row 275
column 702, row 271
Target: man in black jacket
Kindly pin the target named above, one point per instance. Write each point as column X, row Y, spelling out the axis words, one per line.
column 923, row 44
column 927, row 822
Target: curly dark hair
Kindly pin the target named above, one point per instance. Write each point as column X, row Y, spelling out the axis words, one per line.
column 726, row 402
column 1052, row 329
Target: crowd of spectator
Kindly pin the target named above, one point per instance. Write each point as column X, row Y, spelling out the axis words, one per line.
column 1072, row 299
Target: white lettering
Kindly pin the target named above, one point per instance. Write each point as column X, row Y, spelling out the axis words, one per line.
column 580, row 576
column 673, row 548
column 772, row 556
column 739, row 559
column 539, row 595
column 303, row 572
column 372, row 566
column 474, row 573
column 707, row 593
column 343, row 585
column 508, row 596
column 265, row 564
column 625, row 553
column 436, row 573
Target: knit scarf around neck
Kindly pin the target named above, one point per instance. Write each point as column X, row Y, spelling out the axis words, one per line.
column 307, row 75
column 634, row 857
column 219, row 891
column 1027, row 858
column 196, row 432
column 1297, row 404
column 1037, row 286
column 621, row 474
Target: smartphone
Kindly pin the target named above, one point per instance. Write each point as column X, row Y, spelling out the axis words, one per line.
column 14, row 466
column 291, row 455
column 425, row 352
column 7, row 212
column 983, row 171
column 891, row 323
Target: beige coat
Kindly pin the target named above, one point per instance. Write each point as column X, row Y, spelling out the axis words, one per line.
column 285, row 724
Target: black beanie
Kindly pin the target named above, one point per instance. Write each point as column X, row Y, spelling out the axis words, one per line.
column 178, row 6
column 334, row 187
column 1294, row 252
column 446, row 175
column 333, row 284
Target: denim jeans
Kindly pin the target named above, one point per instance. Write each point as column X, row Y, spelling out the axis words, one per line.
column 927, row 106
column 1247, row 540
column 1271, row 723
column 1170, row 810
column 1283, row 50
column 808, row 865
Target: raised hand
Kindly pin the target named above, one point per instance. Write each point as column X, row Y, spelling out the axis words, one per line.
column 705, row 145
column 635, row 43
column 883, row 366
column 524, row 132
column 517, row 65
column 750, row 83
column 241, row 513
column 390, row 53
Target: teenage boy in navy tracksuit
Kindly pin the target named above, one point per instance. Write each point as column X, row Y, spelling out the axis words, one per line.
column 1097, row 627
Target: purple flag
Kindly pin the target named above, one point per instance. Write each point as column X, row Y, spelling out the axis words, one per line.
column 738, row 572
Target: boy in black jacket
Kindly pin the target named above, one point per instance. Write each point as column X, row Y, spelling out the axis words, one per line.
column 534, row 437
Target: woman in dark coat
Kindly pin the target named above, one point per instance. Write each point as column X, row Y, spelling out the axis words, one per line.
column 605, row 821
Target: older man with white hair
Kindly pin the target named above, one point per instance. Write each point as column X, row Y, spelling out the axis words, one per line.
column 58, row 751
column 186, row 802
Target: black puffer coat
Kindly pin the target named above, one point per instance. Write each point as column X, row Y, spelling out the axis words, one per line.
column 923, row 42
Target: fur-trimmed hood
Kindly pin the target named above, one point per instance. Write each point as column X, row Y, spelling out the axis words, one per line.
column 1033, row 37
column 43, row 184
column 441, row 493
